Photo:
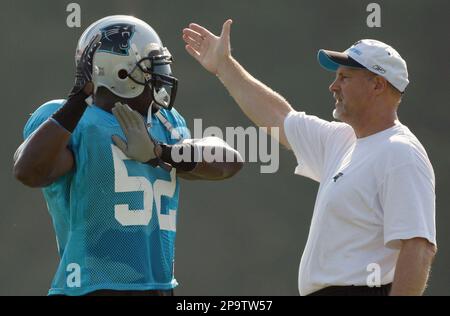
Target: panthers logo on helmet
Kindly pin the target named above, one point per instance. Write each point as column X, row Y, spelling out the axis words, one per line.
column 116, row 38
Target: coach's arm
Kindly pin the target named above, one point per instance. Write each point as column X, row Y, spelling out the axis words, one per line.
column 413, row 267
column 262, row 105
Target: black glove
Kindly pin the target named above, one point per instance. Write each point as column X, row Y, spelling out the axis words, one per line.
column 83, row 73
column 71, row 112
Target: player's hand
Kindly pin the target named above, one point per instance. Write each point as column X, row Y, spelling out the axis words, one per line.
column 209, row 50
column 83, row 74
column 138, row 145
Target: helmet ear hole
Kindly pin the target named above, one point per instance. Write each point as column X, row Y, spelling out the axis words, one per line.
column 122, row 74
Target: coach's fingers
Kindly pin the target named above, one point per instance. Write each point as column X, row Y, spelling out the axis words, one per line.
column 193, row 35
column 194, row 45
column 194, row 53
column 192, row 42
column 200, row 30
column 226, row 28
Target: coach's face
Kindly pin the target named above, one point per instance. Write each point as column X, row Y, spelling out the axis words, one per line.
column 352, row 92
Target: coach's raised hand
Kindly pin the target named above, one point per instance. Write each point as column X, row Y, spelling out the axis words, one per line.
column 209, row 50
column 261, row 104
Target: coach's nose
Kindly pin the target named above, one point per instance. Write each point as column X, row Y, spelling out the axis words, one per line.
column 334, row 86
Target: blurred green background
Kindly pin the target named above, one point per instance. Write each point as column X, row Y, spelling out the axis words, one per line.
column 243, row 236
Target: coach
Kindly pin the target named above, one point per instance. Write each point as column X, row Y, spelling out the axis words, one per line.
column 375, row 208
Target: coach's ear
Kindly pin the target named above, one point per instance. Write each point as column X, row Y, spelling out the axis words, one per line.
column 380, row 85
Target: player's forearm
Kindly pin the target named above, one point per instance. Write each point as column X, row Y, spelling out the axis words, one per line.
column 214, row 170
column 35, row 159
column 413, row 267
column 261, row 104
column 209, row 158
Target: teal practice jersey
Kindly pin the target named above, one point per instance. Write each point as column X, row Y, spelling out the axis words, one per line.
column 114, row 218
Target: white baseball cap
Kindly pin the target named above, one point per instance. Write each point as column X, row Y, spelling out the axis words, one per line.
column 373, row 55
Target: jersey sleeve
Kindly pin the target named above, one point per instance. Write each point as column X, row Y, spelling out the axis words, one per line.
column 407, row 197
column 40, row 116
column 313, row 141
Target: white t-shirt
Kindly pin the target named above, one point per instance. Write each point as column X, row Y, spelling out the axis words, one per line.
column 374, row 191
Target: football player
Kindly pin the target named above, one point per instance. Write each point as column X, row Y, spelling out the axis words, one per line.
column 108, row 171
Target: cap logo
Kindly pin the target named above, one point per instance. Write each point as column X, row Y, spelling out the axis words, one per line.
column 379, row 69
column 356, row 51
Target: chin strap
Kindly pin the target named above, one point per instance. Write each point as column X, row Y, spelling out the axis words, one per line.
column 173, row 132
column 169, row 127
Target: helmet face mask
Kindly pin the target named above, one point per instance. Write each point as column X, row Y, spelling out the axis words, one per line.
column 131, row 57
column 158, row 75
